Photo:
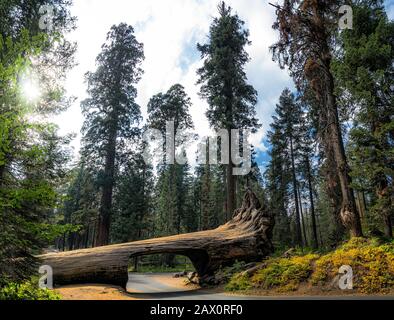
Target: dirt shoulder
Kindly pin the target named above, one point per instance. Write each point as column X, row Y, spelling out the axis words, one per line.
column 93, row 292
column 154, row 283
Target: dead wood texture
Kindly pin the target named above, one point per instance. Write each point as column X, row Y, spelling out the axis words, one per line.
column 247, row 236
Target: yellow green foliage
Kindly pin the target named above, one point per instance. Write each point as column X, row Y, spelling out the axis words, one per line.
column 285, row 274
column 281, row 273
column 26, row 291
column 372, row 264
column 239, row 282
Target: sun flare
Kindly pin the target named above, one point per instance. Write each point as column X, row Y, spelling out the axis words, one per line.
column 30, row 89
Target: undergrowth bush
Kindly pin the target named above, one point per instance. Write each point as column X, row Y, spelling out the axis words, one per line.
column 372, row 264
column 239, row 282
column 285, row 273
column 26, row 291
column 224, row 274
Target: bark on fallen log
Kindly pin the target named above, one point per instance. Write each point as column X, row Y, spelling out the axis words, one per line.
column 247, row 236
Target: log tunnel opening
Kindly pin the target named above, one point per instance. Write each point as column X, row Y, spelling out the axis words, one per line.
column 158, row 271
column 198, row 258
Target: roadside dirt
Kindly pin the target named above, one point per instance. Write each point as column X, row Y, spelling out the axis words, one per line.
column 108, row 292
column 93, row 292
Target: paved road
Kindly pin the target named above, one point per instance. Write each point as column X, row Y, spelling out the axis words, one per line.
column 152, row 283
column 165, row 287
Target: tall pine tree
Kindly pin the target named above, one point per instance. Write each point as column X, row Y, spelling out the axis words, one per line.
column 364, row 71
column 307, row 29
column 224, row 84
column 111, row 113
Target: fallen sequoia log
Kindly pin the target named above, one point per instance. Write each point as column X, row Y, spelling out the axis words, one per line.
column 247, row 236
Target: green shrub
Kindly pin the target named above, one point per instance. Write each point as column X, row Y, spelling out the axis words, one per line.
column 279, row 273
column 372, row 261
column 225, row 274
column 284, row 274
column 26, row 291
column 239, row 282
column 372, row 264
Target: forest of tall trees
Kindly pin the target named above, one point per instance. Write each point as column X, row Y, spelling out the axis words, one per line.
column 340, row 164
column 171, row 198
column 330, row 143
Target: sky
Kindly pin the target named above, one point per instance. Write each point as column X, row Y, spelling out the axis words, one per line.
column 170, row 31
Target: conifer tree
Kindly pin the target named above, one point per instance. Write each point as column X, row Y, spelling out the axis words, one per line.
column 173, row 177
column 224, row 84
column 364, row 68
column 307, row 29
column 111, row 113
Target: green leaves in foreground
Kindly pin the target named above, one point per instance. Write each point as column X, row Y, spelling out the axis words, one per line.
column 27, row 291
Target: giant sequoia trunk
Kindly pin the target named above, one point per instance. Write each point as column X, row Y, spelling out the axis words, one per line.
column 315, row 242
column 332, row 190
column 383, row 194
column 102, row 236
column 295, row 190
column 349, row 215
column 247, row 236
column 230, row 180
